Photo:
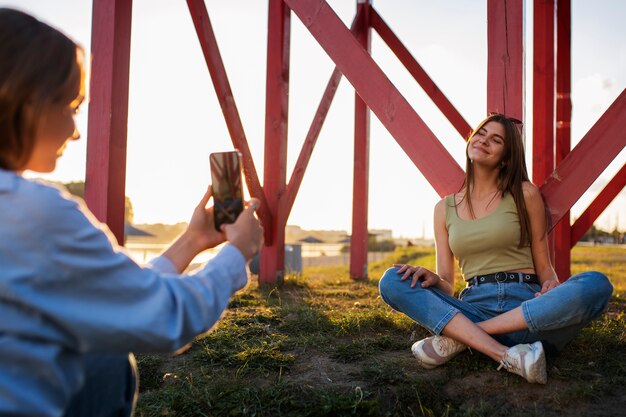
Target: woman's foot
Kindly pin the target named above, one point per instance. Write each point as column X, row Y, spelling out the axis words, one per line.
column 436, row 350
column 527, row 361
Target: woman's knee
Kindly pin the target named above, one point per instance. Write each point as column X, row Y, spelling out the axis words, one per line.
column 603, row 286
column 389, row 284
column 597, row 284
column 597, row 289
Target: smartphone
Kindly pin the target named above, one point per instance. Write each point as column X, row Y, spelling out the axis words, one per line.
column 227, row 183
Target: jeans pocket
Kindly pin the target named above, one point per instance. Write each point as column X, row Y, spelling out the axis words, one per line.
column 464, row 292
column 533, row 287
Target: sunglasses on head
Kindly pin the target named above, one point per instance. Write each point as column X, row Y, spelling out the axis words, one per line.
column 509, row 118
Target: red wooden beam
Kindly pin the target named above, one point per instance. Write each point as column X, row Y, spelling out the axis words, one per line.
column 225, row 97
column 311, row 139
column 599, row 204
column 418, row 73
column 505, row 57
column 360, row 179
column 562, row 232
column 314, row 130
column 380, row 95
column 604, row 141
column 543, row 90
column 105, row 179
column 272, row 259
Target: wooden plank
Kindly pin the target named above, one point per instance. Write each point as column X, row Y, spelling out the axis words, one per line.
column 272, row 257
column 105, row 180
column 543, row 90
column 562, row 232
column 420, row 75
column 505, row 57
column 360, row 179
column 380, row 95
column 584, row 164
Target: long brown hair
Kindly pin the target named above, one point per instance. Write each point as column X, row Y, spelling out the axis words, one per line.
column 512, row 172
column 39, row 67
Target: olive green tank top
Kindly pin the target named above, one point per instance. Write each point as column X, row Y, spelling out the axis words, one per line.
column 488, row 244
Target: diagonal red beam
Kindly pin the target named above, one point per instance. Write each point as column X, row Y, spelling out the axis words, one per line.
column 314, row 130
column 599, row 204
column 380, row 95
column 418, row 73
column 587, row 160
column 105, row 178
column 213, row 58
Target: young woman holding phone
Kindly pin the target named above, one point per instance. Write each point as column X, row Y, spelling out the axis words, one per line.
column 72, row 303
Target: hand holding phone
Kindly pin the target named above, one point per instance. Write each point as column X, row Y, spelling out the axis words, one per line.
column 227, row 183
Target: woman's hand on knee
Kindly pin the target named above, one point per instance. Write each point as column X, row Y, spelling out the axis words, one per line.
column 547, row 286
column 417, row 273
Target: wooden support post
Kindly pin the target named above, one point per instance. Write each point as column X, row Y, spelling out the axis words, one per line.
column 105, row 180
column 505, row 57
column 272, row 257
column 563, row 230
column 543, row 94
column 360, row 189
column 543, row 90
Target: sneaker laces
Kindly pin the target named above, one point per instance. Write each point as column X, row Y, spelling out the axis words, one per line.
column 504, row 363
column 449, row 345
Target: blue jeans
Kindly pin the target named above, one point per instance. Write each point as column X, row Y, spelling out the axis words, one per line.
column 554, row 318
column 110, row 388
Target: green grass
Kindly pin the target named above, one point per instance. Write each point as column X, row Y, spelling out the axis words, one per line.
column 323, row 345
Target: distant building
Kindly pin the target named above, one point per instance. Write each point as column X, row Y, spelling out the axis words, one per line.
column 378, row 235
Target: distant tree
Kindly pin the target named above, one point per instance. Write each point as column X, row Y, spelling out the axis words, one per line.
column 77, row 188
column 595, row 235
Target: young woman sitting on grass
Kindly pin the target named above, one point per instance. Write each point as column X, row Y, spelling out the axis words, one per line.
column 513, row 306
column 72, row 303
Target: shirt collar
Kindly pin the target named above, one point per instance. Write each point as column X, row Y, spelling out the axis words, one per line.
column 8, row 180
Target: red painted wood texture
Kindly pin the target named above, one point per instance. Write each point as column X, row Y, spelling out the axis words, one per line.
column 420, row 75
column 360, row 179
column 599, row 204
column 584, row 164
column 272, row 257
column 380, row 95
column 105, row 178
column 543, row 90
column 562, row 232
column 505, row 57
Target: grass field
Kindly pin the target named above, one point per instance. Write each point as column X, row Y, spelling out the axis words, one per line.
column 323, row 345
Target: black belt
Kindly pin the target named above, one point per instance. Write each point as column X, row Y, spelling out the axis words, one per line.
column 504, row 277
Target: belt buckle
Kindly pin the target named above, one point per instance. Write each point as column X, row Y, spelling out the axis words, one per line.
column 497, row 277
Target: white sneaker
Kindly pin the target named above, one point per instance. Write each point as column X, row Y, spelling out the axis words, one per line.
column 436, row 350
column 527, row 361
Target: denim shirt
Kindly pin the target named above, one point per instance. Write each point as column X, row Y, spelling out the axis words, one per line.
column 66, row 288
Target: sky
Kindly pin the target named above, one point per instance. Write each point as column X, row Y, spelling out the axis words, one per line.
column 175, row 121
